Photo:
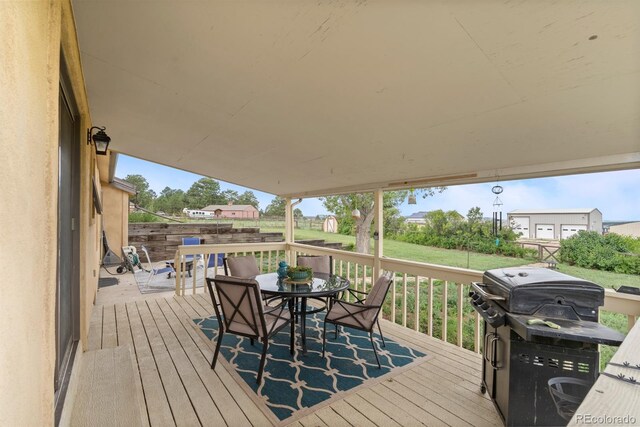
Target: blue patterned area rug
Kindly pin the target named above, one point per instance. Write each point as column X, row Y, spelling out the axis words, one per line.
column 293, row 384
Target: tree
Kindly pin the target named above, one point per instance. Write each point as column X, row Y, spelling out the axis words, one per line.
column 170, row 201
column 230, row 196
column 297, row 213
column 474, row 220
column 204, row 192
column 342, row 206
column 443, row 223
column 247, row 198
column 276, row 208
column 144, row 196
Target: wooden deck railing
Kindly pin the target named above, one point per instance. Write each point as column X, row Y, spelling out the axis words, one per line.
column 425, row 297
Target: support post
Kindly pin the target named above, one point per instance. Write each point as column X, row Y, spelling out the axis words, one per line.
column 288, row 229
column 378, row 233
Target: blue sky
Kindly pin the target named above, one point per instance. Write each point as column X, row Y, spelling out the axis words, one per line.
column 616, row 194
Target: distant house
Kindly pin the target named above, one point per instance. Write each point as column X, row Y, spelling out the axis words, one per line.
column 416, row 218
column 554, row 224
column 626, row 229
column 233, row 211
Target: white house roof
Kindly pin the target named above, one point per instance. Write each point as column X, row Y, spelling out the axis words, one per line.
column 301, row 98
column 228, row 208
column 552, row 211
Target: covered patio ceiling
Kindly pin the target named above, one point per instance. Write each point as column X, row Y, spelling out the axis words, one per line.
column 304, row 98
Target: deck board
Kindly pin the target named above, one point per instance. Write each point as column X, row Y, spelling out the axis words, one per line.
column 171, row 363
column 108, row 395
column 184, row 413
column 222, row 399
column 158, row 408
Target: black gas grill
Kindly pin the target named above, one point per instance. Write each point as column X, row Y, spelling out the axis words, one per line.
column 540, row 342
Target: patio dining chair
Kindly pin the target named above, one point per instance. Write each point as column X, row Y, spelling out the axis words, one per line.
column 240, row 310
column 318, row 263
column 243, row 267
column 160, row 267
column 362, row 315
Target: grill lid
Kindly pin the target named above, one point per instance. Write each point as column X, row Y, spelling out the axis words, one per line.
column 528, row 289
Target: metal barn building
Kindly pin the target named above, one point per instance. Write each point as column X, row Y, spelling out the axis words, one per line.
column 626, row 229
column 554, row 224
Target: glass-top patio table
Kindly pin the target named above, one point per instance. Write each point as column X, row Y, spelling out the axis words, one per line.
column 322, row 285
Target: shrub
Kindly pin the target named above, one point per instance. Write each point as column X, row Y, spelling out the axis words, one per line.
column 448, row 230
column 143, row 217
column 612, row 252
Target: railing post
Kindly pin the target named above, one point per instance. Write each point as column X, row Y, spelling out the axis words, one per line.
column 378, row 233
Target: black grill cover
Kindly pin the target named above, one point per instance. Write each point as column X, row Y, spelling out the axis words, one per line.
column 527, row 290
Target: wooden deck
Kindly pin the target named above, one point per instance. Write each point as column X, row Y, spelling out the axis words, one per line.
column 172, row 373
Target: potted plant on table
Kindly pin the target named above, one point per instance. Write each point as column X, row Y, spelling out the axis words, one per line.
column 299, row 273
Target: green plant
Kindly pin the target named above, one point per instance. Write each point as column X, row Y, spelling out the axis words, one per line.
column 299, row 268
column 299, row 272
column 610, row 252
column 143, row 217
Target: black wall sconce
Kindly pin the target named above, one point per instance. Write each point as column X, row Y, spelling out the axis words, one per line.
column 100, row 139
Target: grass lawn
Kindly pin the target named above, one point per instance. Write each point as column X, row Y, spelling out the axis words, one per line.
column 605, row 279
column 413, row 252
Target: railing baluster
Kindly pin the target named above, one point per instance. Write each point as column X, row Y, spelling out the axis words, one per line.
column 261, row 263
column 206, row 272
column 364, row 278
column 269, row 262
column 404, row 299
column 393, row 299
column 460, row 311
column 356, row 278
column 430, row 327
column 445, row 291
column 177, row 263
column 184, row 276
column 194, row 265
column 416, row 323
column 349, row 279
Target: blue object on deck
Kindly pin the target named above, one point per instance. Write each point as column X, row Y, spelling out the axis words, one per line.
column 212, row 260
column 189, row 241
column 282, row 269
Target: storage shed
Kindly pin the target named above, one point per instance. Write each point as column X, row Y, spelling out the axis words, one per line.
column 554, row 224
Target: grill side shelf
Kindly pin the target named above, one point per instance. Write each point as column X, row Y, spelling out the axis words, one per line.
column 572, row 330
